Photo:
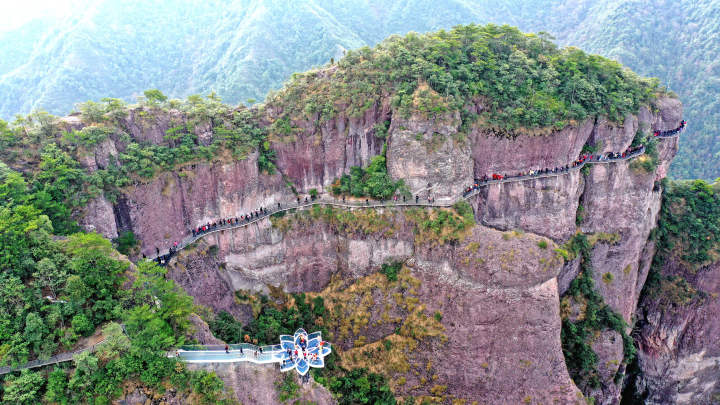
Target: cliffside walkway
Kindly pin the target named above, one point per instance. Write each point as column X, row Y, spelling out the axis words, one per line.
column 443, row 203
column 59, row 358
column 300, row 352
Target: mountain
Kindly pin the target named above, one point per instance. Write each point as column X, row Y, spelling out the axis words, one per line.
column 242, row 49
column 524, row 288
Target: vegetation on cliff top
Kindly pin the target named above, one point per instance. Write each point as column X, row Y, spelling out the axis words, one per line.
column 49, row 153
column 519, row 80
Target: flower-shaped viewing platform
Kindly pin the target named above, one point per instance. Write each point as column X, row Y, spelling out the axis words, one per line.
column 300, row 351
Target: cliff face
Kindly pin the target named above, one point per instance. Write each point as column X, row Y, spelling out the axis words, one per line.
column 499, row 302
column 499, row 313
column 679, row 350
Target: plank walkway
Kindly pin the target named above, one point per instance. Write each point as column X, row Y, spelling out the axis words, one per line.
column 59, row 358
column 334, row 202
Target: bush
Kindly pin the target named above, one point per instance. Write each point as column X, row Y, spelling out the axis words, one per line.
column 313, row 193
column 598, row 316
column 390, row 270
column 126, row 242
column 542, row 244
column 371, row 182
column 226, row 328
column 287, row 388
column 82, row 325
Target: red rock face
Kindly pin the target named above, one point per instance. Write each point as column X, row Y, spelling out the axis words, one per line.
column 319, row 153
column 679, row 349
column 508, row 317
column 500, row 313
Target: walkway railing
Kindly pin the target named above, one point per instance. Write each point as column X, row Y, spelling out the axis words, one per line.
column 323, row 200
column 59, row 358
column 236, row 352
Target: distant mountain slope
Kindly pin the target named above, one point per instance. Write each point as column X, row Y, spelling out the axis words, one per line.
column 244, row 48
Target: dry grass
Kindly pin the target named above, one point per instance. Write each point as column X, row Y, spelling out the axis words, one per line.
column 371, row 301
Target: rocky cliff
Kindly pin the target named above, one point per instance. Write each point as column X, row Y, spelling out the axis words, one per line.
column 679, row 351
column 498, row 292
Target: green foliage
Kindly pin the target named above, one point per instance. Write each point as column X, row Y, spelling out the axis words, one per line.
column 689, row 230
column 527, row 79
column 358, row 386
column 226, row 328
column 580, row 214
column 56, row 386
column 126, row 242
column 576, row 335
column 82, row 325
column 690, row 221
column 381, row 129
column 154, row 96
column 372, row 182
column 542, row 244
column 313, row 193
column 287, row 388
column 390, row 270
column 86, row 275
column 442, row 226
column 24, row 389
column 116, row 342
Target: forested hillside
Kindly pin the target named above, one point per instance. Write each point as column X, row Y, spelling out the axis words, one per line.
column 244, row 48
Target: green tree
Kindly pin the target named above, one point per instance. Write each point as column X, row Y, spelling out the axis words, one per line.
column 35, row 330
column 82, row 325
column 24, row 389
column 154, row 96
column 116, row 342
column 85, row 366
column 56, row 387
column 47, row 275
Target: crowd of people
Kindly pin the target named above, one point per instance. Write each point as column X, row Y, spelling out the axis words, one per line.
column 557, row 170
column 671, row 132
column 300, row 351
column 232, row 221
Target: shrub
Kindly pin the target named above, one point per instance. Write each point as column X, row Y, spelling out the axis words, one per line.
column 313, row 193
column 287, row 388
column 82, row 325
column 126, row 242
column 575, row 336
column 373, row 181
column 542, row 244
column 390, row 270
